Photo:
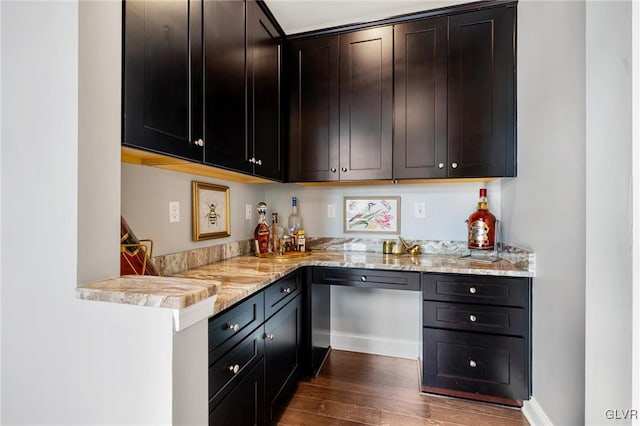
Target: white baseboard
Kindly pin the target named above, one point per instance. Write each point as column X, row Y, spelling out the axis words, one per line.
column 535, row 414
column 374, row 345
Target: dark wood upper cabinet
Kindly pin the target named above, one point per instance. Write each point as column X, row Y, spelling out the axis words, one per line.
column 202, row 82
column 481, row 108
column 224, row 81
column 420, row 103
column 314, row 94
column 264, row 45
column 159, row 91
column 366, row 104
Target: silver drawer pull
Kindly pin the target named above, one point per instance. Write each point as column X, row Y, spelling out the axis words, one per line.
column 269, row 336
column 286, row 290
column 363, row 278
column 441, row 165
column 233, row 327
column 472, row 290
column 234, row 368
column 472, row 364
column 472, row 318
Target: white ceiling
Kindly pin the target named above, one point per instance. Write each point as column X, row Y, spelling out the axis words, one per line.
column 297, row 16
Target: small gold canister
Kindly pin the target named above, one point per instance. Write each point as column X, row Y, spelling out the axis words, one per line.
column 387, row 246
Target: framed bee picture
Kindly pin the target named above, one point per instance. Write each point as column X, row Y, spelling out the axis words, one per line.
column 210, row 211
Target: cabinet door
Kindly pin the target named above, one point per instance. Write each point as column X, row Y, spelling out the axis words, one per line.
column 263, row 80
column 244, row 405
column 224, row 85
column 420, row 115
column 314, row 123
column 366, row 102
column 282, row 354
column 481, row 93
column 159, row 93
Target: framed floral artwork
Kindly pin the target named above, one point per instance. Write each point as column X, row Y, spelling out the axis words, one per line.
column 210, row 211
column 378, row 215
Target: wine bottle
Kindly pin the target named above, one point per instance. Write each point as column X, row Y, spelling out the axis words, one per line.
column 482, row 225
column 261, row 233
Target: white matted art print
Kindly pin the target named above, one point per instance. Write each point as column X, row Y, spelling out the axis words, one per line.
column 378, row 215
column 210, row 210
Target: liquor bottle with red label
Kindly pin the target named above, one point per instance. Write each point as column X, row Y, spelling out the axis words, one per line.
column 482, row 225
column 261, row 233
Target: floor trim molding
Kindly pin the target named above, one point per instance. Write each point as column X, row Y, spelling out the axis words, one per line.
column 535, row 414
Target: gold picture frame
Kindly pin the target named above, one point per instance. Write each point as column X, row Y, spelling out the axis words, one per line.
column 210, row 211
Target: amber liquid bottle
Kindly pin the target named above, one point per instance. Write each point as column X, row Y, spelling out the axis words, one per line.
column 261, row 233
column 482, row 225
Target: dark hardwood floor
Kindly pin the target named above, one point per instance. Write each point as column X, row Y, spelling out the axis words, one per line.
column 363, row 389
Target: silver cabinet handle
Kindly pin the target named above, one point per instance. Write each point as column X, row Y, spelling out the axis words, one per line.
column 252, row 160
column 333, row 170
column 363, row 278
column 441, row 165
column 259, row 162
column 472, row 318
column 472, row 290
column 233, row 327
column 286, row 290
column 344, row 169
column 454, row 165
column 472, row 364
column 234, row 368
column 199, row 142
column 269, row 336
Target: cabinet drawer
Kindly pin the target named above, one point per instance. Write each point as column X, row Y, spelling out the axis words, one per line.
column 234, row 324
column 476, row 363
column 479, row 318
column 280, row 293
column 506, row 291
column 227, row 370
column 367, row 278
column 244, row 404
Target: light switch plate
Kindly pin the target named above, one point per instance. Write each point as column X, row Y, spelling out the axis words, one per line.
column 331, row 210
column 174, row 211
column 248, row 208
column 420, row 212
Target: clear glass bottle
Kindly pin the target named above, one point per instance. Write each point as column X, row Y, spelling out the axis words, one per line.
column 295, row 221
column 261, row 233
column 275, row 235
column 482, row 225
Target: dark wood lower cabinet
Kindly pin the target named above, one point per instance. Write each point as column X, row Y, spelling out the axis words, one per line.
column 255, row 355
column 476, row 339
column 244, row 405
column 282, row 355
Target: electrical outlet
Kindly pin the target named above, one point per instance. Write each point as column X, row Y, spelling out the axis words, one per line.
column 248, row 209
column 174, row 211
column 419, row 211
column 331, row 210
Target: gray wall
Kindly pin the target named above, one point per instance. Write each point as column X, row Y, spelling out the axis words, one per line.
column 67, row 361
column 448, row 205
column 147, row 191
column 609, row 202
column 544, row 206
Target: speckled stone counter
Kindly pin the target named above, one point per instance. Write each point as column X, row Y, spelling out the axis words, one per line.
column 244, row 275
column 226, row 282
column 144, row 290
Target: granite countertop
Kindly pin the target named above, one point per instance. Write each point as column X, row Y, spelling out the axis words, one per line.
column 228, row 281
column 244, row 275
